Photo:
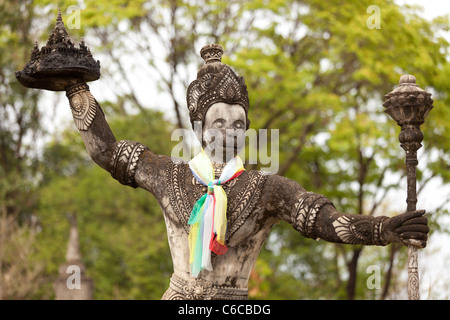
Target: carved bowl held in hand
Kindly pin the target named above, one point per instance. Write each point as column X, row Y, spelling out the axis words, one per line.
column 55, row 72
column 59, row 63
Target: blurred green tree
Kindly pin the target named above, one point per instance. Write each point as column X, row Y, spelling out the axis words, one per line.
column 122, row 233
column 19, row 127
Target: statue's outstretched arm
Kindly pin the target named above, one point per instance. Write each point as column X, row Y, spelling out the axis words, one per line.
column 407, row 228
column 314, row 216
column 120, row 158
column 61, row 66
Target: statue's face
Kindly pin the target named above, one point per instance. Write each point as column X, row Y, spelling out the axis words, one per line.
column 224, row 131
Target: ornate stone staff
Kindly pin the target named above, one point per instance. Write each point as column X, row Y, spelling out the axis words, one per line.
column 408, row 105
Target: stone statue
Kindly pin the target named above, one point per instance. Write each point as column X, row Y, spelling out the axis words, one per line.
column 255, row 200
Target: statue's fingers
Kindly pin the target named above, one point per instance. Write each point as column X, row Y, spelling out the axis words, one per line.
column 419, row 220
column 402, row 218
column 413, row 235
column 422, row 228
column 417, row 243
column 413, row 214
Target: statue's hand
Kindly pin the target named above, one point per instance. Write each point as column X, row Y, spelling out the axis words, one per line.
column 409, row 228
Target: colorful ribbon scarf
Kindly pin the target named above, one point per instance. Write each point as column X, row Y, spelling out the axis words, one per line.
column 208, row 218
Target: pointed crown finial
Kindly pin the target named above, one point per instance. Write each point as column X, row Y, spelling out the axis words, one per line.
column 212, row 53
column 59, row 17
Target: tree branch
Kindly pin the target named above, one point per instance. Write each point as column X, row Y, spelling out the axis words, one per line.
column 388, row 275
column 293, row 157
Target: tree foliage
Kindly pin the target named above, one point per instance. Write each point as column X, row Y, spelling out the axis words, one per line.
column 123, row 238
column 19, row 127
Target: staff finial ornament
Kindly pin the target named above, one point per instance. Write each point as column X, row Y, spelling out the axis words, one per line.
column 408, row 105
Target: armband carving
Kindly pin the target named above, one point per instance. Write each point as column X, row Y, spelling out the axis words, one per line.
column 306, row 213
column 82, row 104
column 360, row 230
column 124, row 161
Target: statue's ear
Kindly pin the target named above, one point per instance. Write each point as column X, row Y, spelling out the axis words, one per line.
column 194, row 92
column 197, row 126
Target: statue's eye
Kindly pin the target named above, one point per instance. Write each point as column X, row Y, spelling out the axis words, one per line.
column 239, row 125
column 219, row 124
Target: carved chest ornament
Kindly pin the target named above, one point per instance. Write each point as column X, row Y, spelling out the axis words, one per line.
column 243, row 194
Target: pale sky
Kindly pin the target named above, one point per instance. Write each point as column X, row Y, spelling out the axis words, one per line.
column 431, row 8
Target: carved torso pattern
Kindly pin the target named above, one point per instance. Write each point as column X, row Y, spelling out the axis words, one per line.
column 243, row 193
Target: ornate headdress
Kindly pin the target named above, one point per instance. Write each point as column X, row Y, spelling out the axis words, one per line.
column 216, row 82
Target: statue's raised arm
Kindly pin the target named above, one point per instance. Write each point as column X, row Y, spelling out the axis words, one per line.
column 61, row 66
column 120, row 158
